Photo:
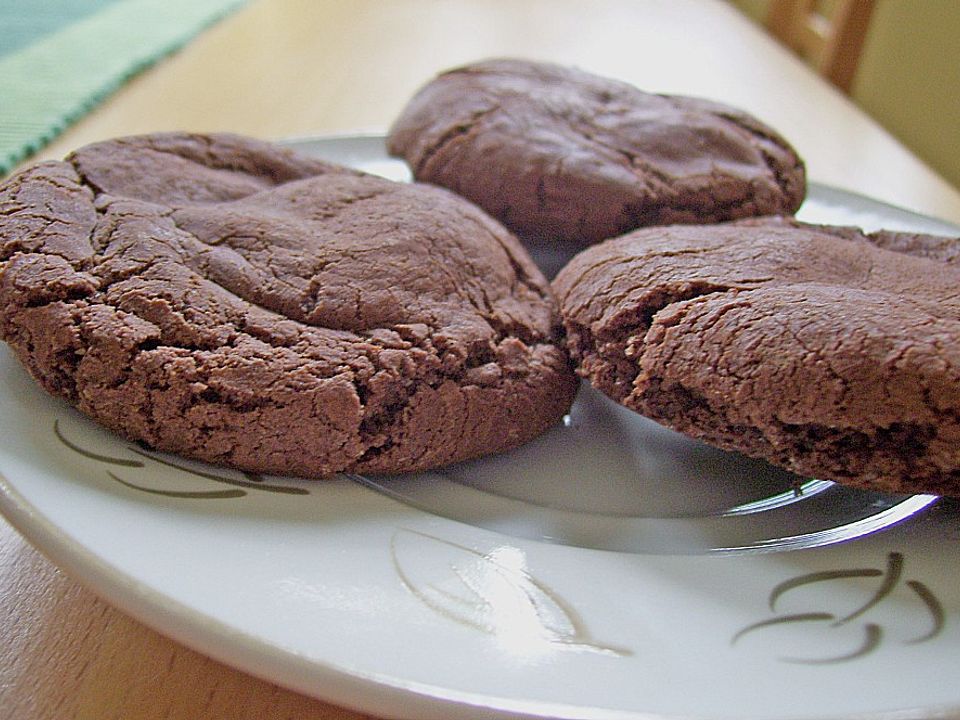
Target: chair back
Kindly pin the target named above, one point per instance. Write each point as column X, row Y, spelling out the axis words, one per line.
column 831, row 40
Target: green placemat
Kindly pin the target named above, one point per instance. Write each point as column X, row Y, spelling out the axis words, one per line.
column 22, row 22
column 59, row 58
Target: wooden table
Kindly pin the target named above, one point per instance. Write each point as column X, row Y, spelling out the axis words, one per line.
column 293, row 68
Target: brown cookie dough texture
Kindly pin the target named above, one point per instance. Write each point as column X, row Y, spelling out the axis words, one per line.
column 231, row 301
column 555, row 152
column 828, row 352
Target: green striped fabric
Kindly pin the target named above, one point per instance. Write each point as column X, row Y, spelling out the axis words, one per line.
column 24, row 21
column 59, row 58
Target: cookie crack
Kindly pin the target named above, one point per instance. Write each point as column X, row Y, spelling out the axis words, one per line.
column 20, row 210
column 461, row 129
column 781, row 174
column 606, row 354
column 520, row 277
column 675, row 205
column 85, row 180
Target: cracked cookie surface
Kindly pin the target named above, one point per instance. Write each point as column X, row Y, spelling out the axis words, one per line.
column 829, row 352
column 231, row 301
column 558, row 153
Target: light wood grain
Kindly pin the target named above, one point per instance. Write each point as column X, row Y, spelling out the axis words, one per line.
column 290, row 68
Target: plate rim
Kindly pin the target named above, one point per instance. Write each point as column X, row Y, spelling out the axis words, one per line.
column 241, row 651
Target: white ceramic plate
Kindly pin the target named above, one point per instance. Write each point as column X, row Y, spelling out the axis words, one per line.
column 610, row 569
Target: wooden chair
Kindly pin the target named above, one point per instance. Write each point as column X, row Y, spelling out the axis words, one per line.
column 831, row 41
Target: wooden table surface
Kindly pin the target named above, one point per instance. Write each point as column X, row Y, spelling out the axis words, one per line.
column 294, row 68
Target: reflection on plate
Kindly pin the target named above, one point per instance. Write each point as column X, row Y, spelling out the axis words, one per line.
column 611, row 480
column 603, row 571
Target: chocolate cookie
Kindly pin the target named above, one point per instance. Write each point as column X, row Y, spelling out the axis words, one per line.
column 823, row 350
column 228, row 300
column 559, row 153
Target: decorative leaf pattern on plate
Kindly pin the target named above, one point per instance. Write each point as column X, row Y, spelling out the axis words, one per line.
column 873, row 633
column 252, row 481
column 493, row 593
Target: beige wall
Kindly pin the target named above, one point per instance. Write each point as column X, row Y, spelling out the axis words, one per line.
column 909, row 76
